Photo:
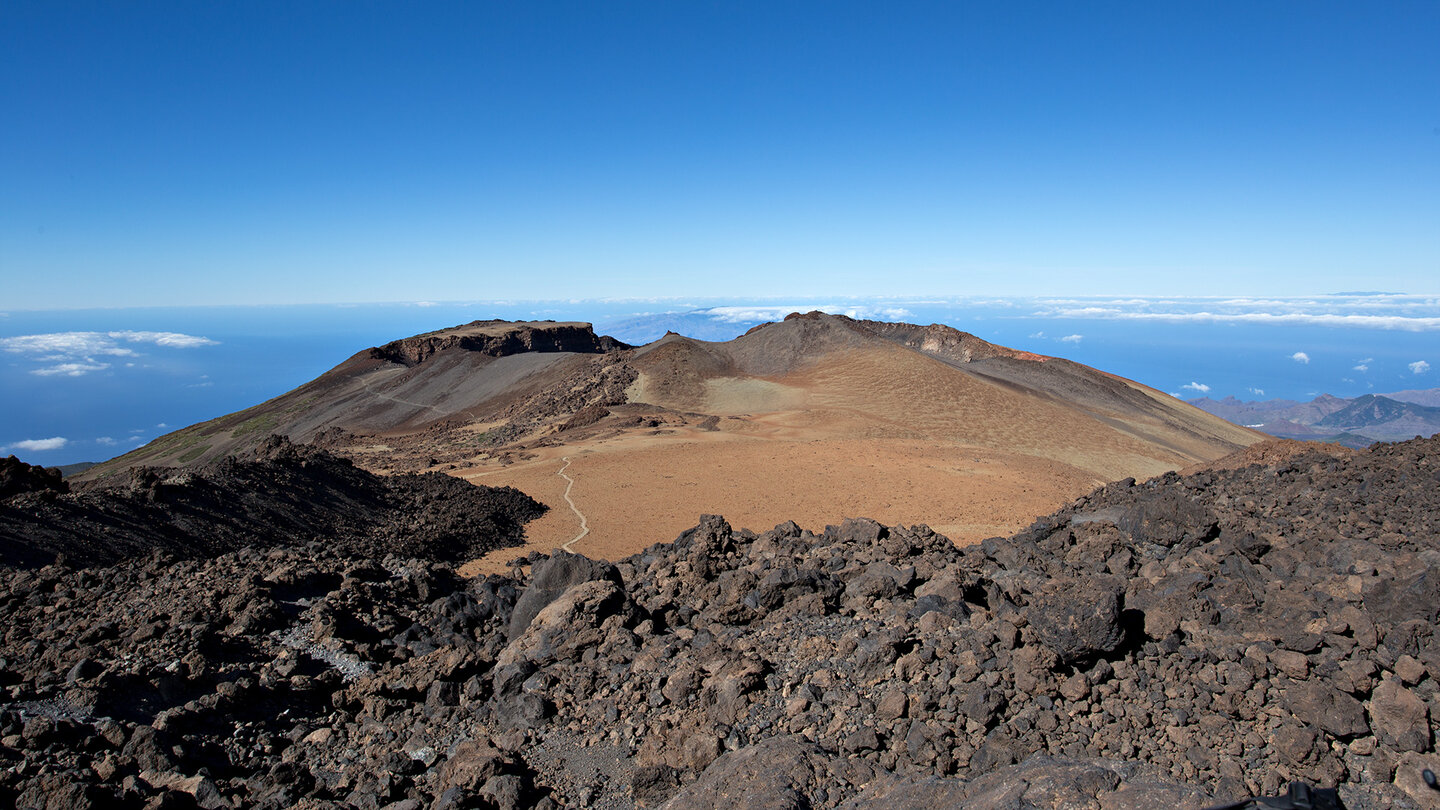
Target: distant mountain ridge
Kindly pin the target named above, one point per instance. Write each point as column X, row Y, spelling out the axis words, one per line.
column 1354, row 422
column 1425, row 396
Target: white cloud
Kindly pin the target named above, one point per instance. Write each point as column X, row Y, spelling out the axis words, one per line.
column 69, row 369
column 1259, row 392
column 1300, row 357
column 1419, row 367
column 106, row 441
column 1071, row 338
column 173, row 340
column 37, row 445
column 769, row 313
column 747, row 314
column 75, row 354
column 1361, row 368
column 1354, row 320
column 1201, row 388
column 65, row 344
column 1037, row 335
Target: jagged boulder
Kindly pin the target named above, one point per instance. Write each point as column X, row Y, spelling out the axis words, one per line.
column 583, row 616
column 17, row 477
column 551, row 578
column 1078, row 618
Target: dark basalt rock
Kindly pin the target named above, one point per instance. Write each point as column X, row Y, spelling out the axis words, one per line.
column 1078, row 618
column 1098, row 659
column 551, row 578
column 281, row 493
column 17, row 477
column 502, row 339
column 781, row 773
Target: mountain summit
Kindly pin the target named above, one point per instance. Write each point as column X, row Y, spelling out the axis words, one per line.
column 813, row 418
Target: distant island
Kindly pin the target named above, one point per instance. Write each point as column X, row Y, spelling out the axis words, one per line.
column 1356, row 422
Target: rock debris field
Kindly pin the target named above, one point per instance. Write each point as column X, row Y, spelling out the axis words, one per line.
column 1173, row 643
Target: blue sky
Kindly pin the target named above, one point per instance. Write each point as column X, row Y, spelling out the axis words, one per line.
column 181, row 153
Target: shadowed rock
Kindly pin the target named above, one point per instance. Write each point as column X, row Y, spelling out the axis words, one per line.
column 279, row 494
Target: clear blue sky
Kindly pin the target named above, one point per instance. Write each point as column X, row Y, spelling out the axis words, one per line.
column 179, row 153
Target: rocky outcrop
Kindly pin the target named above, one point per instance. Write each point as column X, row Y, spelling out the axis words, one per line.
column 552, row 578
column 498, row 339
column 946, row 342
column 17, row 477
column 1172, row 643
column 280, row 493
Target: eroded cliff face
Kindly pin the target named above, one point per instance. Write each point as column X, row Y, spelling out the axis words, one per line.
column 498, row 339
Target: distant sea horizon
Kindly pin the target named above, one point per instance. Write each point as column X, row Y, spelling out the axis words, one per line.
column 91, row 384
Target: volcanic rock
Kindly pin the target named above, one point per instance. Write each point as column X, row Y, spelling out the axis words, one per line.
column 1078, row 618
column 16, row 477
column 277, row 494
column 736, row 667
column 551, row 578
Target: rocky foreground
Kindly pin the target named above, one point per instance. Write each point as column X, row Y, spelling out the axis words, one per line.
column 1172, row 643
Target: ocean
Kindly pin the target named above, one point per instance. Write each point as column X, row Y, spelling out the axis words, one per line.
column 87, row 385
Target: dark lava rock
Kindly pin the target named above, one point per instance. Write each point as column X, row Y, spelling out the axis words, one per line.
column 1078, row 618
column 17, row 477
column 781, row 773
column 1322, row 705
column 281, row 493
column 1177, row 642
column 550, row 579
column 510, row 338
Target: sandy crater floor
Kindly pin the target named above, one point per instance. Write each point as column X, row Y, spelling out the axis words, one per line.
column 636, row 490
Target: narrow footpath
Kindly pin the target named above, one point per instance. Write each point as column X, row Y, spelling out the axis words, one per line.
column 584, row 525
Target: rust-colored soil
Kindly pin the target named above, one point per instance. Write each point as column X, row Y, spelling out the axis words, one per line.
column 877, row 431
column 637, row 490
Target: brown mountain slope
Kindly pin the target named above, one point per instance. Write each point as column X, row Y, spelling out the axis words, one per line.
column 473, row 372
column 814, row 419
column 862, row 378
